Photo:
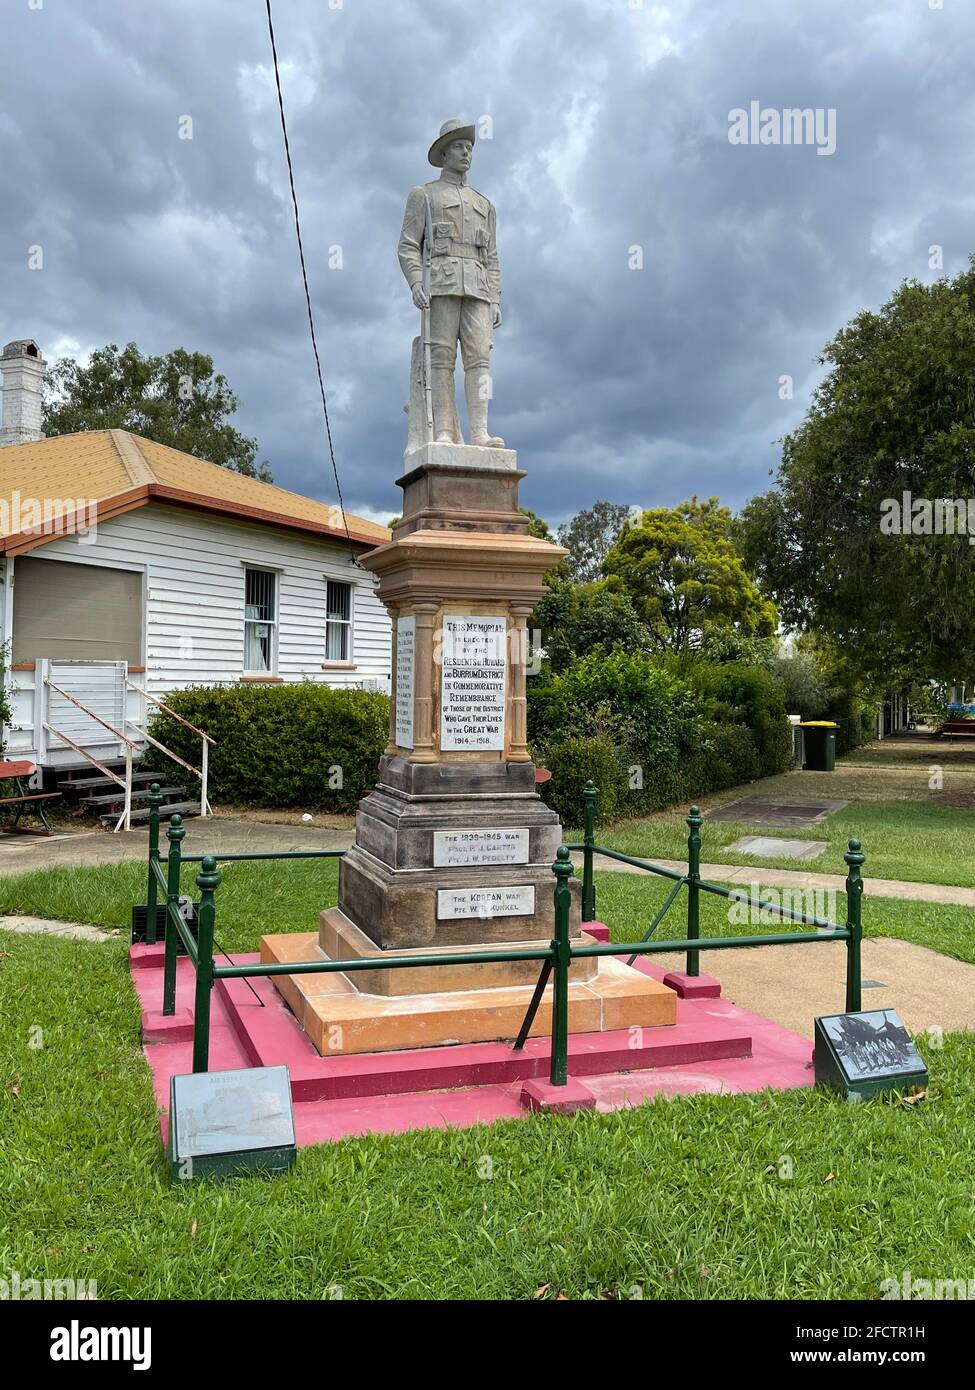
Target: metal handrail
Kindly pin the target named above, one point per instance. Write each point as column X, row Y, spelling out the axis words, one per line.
column 163, row 749
column 132, row 686
column 124, row 738
column 126, row 816
column 203, row 771
column 84, row 753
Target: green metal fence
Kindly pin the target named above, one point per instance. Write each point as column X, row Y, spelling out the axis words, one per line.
column 555, row 959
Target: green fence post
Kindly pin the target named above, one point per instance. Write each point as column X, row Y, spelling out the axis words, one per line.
column 854, row 921
column 562, row 868
column 155, row 801
column 694, row 823
column 207, row 882
column 589, row 839
column 174, row 835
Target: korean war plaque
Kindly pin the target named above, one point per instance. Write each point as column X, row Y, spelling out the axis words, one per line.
column 405, row 680
column 452, row 848
column 472, row 683
column 518, row 901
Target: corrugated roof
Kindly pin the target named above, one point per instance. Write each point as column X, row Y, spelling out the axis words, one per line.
column 43, row 484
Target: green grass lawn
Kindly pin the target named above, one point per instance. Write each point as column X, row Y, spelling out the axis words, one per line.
column 255, row 898
column 677, row 1200
column 917, row 841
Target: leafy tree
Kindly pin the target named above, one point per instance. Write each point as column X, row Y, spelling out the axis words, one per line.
column 895, row 414
column 589, row 537
column 537, row 527
column 175, row 399
column 576, row 618
column 685, row 575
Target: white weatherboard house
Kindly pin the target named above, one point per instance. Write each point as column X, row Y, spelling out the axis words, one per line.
column 130, row 570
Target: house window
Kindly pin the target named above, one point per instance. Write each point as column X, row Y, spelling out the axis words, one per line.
column 260, row 620
column 338, row 621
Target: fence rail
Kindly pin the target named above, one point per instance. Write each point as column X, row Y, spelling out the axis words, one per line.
column 555, row 959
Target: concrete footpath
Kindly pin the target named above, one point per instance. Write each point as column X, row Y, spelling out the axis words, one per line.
column 799, row 878
column 217, row 834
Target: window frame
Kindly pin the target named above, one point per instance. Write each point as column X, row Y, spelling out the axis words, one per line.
column 347, row 623
column 272, row 622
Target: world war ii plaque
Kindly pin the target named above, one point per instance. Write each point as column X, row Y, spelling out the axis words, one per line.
column 860, row 1054
column 452, row 848
column 472, row 683
column 405, row 680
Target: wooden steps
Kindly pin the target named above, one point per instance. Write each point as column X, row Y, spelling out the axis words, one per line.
column 107, row 799
column 182, row 808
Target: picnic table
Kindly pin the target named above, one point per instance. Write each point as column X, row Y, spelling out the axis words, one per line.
column 26, row 801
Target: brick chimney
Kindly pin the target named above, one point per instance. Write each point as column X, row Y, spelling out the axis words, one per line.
column 21, row 377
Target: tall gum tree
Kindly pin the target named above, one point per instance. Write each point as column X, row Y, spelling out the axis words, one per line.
column 894, row 415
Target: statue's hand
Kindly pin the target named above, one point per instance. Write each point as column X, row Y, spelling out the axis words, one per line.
column 420, row 297
column 496, row 315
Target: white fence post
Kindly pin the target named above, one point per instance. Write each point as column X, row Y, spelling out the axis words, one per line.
column 204, row 778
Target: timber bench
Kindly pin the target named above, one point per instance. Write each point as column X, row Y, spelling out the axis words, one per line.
column 957, row 728
column 25, row 801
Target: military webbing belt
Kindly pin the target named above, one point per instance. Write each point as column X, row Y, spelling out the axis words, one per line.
column 464, row 250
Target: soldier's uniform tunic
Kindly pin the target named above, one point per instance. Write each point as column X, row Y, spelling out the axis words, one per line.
column 465, row 277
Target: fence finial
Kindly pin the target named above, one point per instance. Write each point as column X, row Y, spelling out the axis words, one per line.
column 208, row 879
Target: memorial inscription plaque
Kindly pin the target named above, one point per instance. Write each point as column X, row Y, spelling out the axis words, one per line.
column 863, row 1053
column 503, row 901
column 452, row 848
column 472, row 683
column 405, row 680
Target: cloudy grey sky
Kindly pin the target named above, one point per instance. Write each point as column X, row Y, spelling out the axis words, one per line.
column 610, row 131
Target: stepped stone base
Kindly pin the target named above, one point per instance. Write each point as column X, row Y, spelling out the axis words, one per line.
column 339, row 1019
column 340, row 939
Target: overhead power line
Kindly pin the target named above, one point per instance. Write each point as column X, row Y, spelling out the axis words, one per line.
column 304, row 277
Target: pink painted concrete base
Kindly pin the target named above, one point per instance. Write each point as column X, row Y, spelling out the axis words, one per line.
column 158, row 1027
column 693, row 986
column 599, row 930
column 542, row 1095
column 714, row 1047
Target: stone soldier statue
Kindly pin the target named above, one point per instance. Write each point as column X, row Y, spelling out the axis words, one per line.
column 448, row 253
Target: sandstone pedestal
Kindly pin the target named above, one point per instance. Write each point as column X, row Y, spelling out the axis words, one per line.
column 454, row 847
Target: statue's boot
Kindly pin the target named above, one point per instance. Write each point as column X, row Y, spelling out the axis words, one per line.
column 477, row 409
column 444, row 405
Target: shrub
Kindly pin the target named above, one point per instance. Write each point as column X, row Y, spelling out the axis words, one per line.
column 727, row 757
column 803, row 687
column 579, row 617
column 753, row 697
column 282, row 745
column 650, row 718
column 572, row 761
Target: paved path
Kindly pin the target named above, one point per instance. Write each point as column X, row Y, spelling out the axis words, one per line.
column 792, row 985
column 21, row 853
column 49, row 926
column 799, row 878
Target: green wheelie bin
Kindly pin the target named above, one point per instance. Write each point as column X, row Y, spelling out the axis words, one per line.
column 819, row 745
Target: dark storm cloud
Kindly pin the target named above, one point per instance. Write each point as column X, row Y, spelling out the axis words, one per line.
column 610, row 131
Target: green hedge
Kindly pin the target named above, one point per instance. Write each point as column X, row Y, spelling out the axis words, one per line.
column 651, row 719
column 572, row 762
column 282, row 745
column 651, row 733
